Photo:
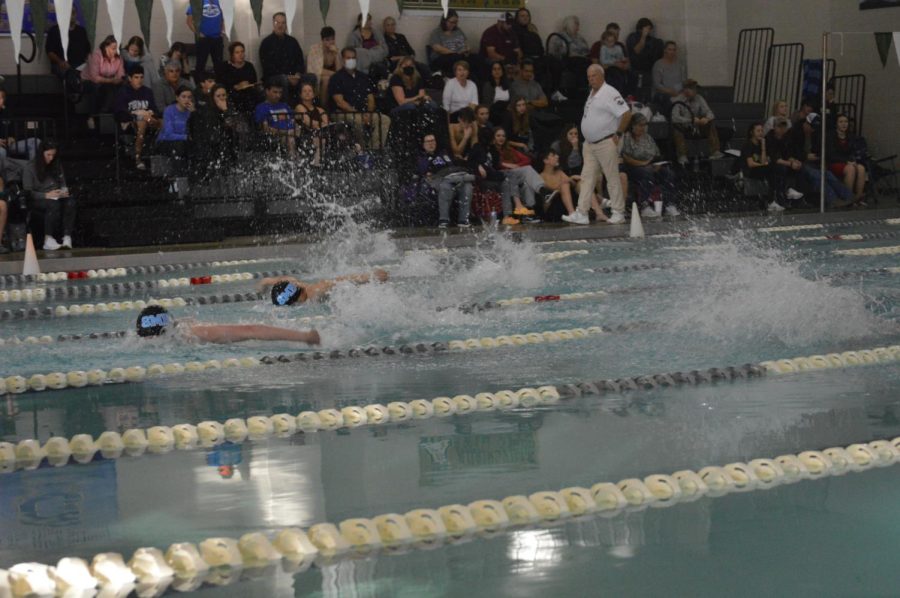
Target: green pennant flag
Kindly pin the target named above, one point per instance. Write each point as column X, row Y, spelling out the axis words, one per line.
column 197, row 12
column 400, row 6
column 89, row 12
column 145, row 11
column 324, row 5
column 39, row 9
column 256, row 7
column 883, row 41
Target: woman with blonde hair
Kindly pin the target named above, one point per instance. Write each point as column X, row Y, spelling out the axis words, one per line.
column 779, row 110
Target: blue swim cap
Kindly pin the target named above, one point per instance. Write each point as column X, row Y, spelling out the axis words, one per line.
column 286, row 293
column 153, row 321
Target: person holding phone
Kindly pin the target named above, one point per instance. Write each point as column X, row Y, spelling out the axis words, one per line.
column 43, row 177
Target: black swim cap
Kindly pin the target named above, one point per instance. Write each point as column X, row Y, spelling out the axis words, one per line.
column 153, row 321
column 286, row 293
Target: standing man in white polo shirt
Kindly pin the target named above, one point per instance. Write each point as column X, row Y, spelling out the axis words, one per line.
column 605, row 120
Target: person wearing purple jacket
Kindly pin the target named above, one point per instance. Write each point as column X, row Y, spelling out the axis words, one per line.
column 436, row 167
column 135, row 110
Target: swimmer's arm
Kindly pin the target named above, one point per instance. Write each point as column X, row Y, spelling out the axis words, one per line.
column 270, row 282
column 235, row 333
column 318, row 290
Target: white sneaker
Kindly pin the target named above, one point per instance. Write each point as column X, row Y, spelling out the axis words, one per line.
column 717, row 156
column 616, row 218
column 683, row 160
column 775, row 207
column 576, row 217
column 794, row 194
column 672, row 211
column 605, row 203
column 649, row 212
column 558, row 97
column 50, row 244
column 67, row 242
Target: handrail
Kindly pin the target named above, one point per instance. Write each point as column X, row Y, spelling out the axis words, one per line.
column 27, row 59
column 750, row 63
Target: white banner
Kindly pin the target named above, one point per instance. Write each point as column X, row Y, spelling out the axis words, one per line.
column 168, row 9
column 290, row 9
column 897, row 44
column 363, row 10
column 227, row 7
column 15, row 12
column 63, row 16
column 116, row 10
column 445, row 4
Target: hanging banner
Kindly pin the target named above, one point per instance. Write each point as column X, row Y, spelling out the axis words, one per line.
column 897, row 44
column 445, row 4
column 39, row 10
column 116, row 10
column 324, row 5
column 63, row 16
column 256, row 7
column 400, row 7
column 89, row 17
column 168, row 10
column 15, row 13
column 290, row 9
column 883, row 42
column 145, row 12
column 227, row 7
column 364, row 11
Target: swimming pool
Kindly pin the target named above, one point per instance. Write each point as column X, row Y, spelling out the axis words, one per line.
column 664, row 304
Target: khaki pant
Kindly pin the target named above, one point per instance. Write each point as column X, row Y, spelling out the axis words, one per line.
column 379, row 127
column 681, row 132
column 605, row 157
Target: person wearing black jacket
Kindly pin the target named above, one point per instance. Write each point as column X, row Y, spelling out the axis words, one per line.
column 211, row 134
column 135, row 110
column 282, row 57
column 398, row 47
column 76, row 54
column 529, row 38
column 437, row 168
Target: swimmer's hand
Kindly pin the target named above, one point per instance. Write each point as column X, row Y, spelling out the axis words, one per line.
column 380, row 275
column 313, row 337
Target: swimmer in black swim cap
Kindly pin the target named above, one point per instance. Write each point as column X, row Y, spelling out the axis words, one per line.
column 287, row 290
column 155, row 320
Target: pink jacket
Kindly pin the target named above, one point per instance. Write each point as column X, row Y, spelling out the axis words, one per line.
column 98, row 66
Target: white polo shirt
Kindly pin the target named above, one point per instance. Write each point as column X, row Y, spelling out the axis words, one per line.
column 602, row 112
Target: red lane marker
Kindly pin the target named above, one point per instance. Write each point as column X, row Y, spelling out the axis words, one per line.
column 542, row 298
column 201, row 280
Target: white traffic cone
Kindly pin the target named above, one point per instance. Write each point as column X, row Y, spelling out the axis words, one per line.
column 30, row 266
column 637, row 227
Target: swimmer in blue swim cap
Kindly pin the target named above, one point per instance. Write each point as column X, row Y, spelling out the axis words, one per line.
column 287, row 290
column 155, row 320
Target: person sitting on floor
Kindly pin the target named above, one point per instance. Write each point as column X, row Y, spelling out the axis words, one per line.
column 692, row 117
column 313, row 292
column 155, row 320
column 135, row 110
column 521, row 180
column 559, row 200
column 448, row 180
column 43, row 177
column 641, row 158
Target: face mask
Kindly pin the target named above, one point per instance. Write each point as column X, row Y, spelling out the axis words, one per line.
column 350, row 63
column 409, row 70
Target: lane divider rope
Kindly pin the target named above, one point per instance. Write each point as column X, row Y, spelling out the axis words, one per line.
column 890, row 250
column 221, row 560
column 851, row 237
column 58, row 451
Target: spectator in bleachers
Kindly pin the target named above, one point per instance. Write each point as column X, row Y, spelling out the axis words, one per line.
column 103, row 76
column 399, row 47
column 499, row 43
column 371, row 51
column 353, row 96
column 448, row 46
column 448, row 180
column 68, row 63
column 407, row 87
column 529, row 89
column 205, row 82
column 643, row 49
column 177, row 53
column 495, row 91
column 568, row 43
column 211, row 131
column 527, row 33
column 324, row 61
column 310, row 119
column 165, row 91
column 780, row 110
column 10, row 147
column 4, row 212
column 756, row 164
column 483, row 118
column 805, row 143
column 692, row 117
column 568, row 148
column 521, row 179
column 640, row 154
column 43, row 177
column 807, row 107
column 611, row 56
column 669, row 75
column 275, row 117
column 208, row 34
column 788, row 168
column 238, row 75
column 173, row 135
column 518, row 126
column 598, row 45
column 136, row 53
column 281, row 56
column 459, row 92
column 843, row 151
column 559, row 200
column 463, row 134
column 136, row 111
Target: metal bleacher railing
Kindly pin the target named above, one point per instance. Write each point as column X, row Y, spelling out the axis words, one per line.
column 784, row 73
column 750, row 64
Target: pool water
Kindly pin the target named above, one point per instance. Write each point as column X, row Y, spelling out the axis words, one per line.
column 723, row 299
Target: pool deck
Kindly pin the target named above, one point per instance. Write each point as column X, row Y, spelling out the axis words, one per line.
column 292, row 245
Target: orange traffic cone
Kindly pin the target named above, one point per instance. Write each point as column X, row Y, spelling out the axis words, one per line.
column 30, row 265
